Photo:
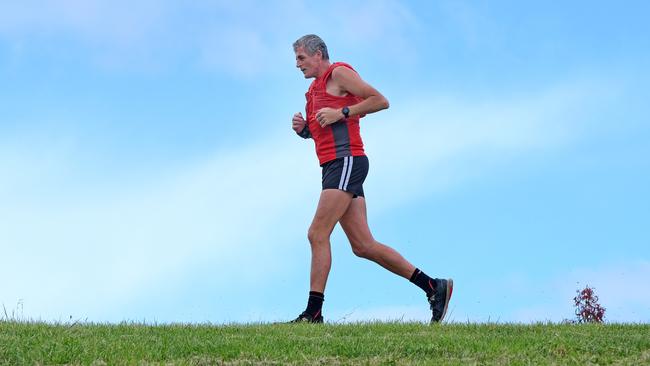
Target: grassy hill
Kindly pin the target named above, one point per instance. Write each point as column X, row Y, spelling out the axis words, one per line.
column 300, row 344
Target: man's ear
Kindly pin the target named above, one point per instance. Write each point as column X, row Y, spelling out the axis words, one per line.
column 319, row 52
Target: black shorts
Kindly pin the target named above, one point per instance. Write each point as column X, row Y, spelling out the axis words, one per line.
column 346, row 174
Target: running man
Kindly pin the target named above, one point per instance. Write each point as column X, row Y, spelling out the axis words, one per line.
column 336, row 100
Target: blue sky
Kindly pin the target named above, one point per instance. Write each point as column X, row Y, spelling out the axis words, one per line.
column 148, row 171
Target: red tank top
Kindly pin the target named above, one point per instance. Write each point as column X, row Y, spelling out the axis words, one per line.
column 339, row 139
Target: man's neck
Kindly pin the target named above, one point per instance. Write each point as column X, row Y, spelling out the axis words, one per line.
column 322, row 68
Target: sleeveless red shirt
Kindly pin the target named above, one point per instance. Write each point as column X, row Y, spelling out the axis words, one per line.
column 342, row 138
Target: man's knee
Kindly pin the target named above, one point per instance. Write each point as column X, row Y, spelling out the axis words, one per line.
column 362, row 250
column 317, row 236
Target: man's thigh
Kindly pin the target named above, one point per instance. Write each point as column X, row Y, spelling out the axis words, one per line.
column 355, row 223
column 332, row 205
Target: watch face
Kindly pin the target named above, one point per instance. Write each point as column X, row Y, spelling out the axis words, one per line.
column 346, row 111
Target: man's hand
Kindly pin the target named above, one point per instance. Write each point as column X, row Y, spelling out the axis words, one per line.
column 298, row 122
column 327, row 116
column 299, row 125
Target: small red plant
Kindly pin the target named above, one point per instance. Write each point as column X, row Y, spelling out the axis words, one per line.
column 588, row 310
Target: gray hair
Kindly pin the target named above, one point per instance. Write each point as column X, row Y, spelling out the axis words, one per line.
column 311, row 43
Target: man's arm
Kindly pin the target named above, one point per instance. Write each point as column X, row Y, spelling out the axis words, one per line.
column 348, row 81
column 299, row 125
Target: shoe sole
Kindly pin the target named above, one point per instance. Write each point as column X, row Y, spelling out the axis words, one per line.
column 450, row 290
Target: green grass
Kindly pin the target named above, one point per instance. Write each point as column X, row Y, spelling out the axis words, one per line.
column 367, row 343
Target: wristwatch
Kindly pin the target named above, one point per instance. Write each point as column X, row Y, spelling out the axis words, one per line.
column 346, row 112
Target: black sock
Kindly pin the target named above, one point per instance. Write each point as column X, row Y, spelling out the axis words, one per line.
column 315, row 303
column 426, row 283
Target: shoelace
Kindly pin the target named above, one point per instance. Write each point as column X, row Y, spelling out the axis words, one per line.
column 435, row 312
column 432, row 299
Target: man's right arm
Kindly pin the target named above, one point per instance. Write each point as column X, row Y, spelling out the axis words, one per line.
column 299, row 125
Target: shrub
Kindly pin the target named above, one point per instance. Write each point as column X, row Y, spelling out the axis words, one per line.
column 588, row 310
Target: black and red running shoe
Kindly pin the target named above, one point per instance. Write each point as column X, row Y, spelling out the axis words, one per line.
column 439, row 300
column 308, row 318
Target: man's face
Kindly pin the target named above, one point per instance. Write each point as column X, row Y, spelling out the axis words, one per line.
column 308, row 64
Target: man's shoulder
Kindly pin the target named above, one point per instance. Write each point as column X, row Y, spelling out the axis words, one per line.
column 339, row 68
column 337, row 65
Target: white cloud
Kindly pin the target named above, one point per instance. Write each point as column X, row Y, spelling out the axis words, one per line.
column 437, row 141
column 256, row 38
column 474, row 28
column 240, row 39
column 119, row 22
column 106, row 34
column 382, row 21
column 88, row 252
column 240, row 51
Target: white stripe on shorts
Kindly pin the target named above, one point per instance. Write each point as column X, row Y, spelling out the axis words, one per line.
column 345, row 166
column 347, row 179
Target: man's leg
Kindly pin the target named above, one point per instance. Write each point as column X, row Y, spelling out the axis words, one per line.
column 355, row 224
column 332, row 205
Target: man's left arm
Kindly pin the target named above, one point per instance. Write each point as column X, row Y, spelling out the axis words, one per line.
column 348, row 81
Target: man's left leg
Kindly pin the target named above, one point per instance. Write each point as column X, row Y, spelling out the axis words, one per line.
column 331, row 206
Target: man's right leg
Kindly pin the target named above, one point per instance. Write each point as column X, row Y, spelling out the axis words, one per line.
column 332, row 205
column 355, row 224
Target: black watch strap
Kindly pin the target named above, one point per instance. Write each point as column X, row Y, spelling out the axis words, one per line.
column 346, row 112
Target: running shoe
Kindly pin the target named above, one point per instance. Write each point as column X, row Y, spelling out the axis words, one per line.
column 308, row 318
column 440, row 299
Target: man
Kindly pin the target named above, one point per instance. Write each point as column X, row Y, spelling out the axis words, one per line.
column 336, row 99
